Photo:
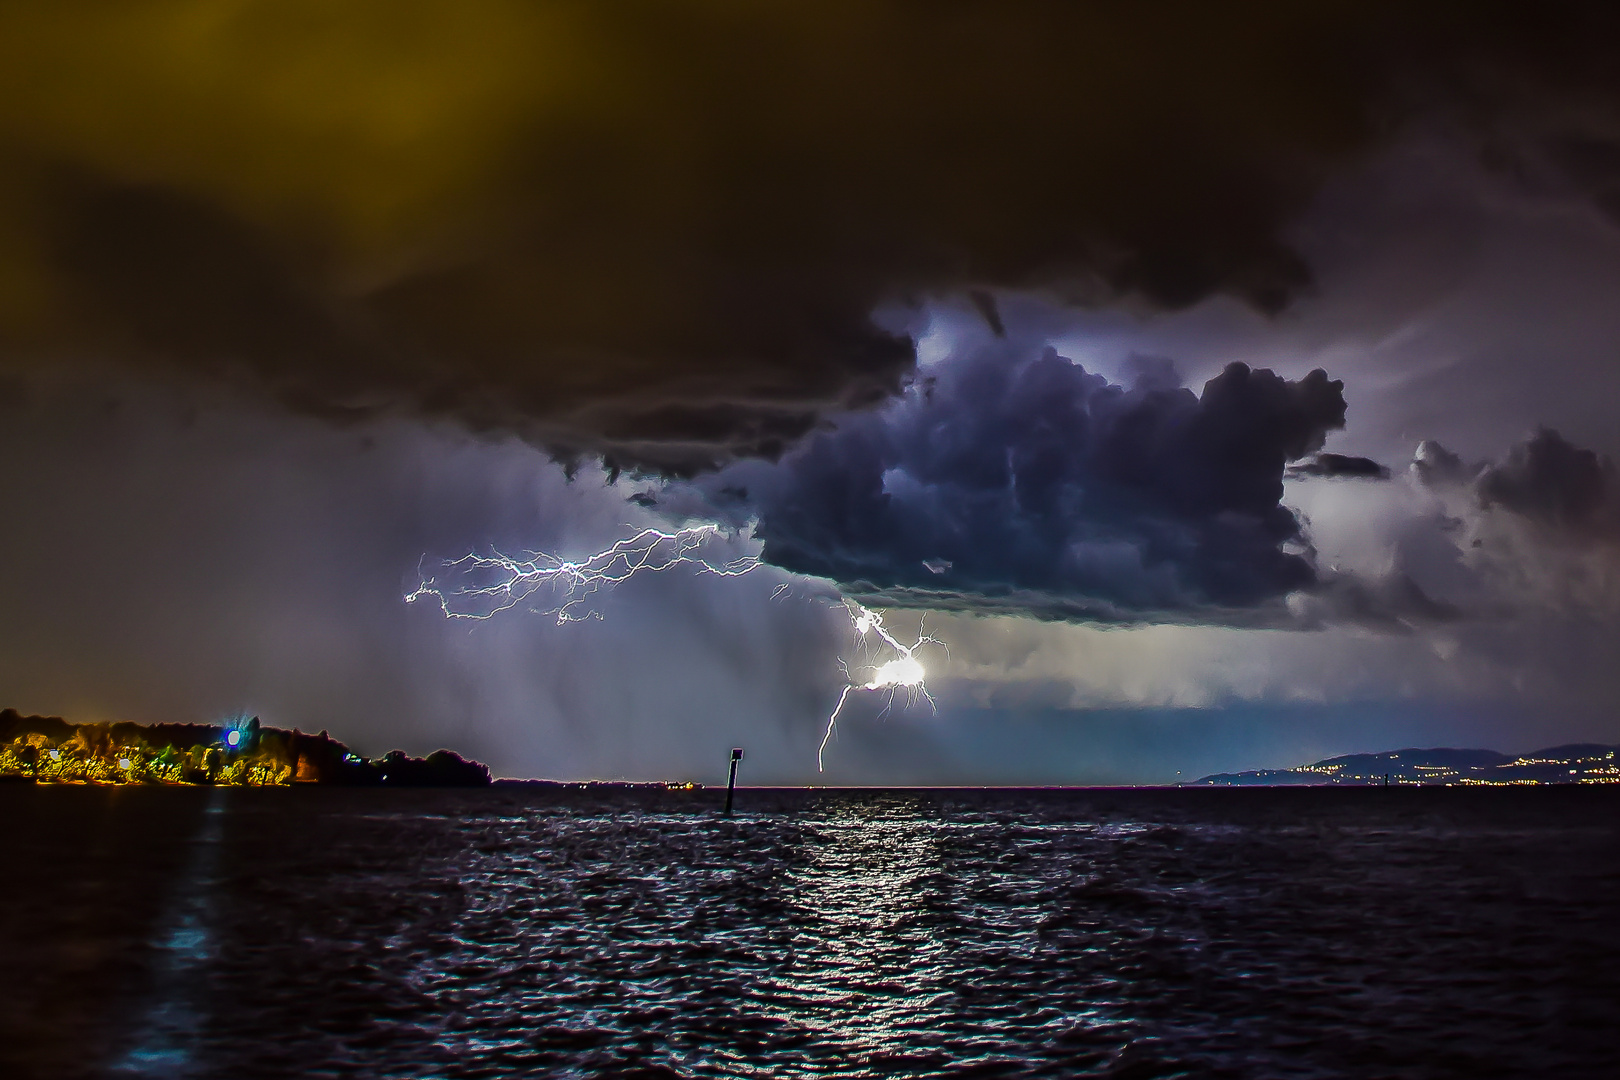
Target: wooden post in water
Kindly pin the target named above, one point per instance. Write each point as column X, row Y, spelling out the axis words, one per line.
column 731, row 781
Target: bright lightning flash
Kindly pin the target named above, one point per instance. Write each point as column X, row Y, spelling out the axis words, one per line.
column 482, row 586
column 903, row 671
column 492, row 583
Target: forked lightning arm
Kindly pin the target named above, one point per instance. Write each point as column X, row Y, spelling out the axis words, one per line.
column 902, row 671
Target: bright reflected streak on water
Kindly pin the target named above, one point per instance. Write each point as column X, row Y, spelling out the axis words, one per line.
column 860, row 974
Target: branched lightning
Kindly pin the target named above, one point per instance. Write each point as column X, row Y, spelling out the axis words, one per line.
column 481, row 586
column 490, row 584
column 902, row 671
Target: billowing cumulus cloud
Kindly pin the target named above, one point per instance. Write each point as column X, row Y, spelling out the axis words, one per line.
column 1014, row 480
column 657, row 232
column 1539, row 529
column 1568, row 492
column 1557, row 484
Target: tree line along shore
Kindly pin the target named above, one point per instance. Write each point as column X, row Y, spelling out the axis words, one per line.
column 238, row 753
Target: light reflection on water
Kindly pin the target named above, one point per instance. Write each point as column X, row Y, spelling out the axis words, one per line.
column 864, row 972
column 831, row 934
column 175, row 1015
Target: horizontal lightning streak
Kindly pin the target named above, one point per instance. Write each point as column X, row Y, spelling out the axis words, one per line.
column 500, row 581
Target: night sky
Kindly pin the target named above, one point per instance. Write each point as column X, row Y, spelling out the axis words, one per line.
column 1228, row 386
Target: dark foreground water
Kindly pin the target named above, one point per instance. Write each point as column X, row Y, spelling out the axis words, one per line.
column 1259, row 933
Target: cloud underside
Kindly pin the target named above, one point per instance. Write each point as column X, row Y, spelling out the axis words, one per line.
column 658, row 232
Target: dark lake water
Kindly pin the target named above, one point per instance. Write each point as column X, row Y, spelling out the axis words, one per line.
column 510, row 932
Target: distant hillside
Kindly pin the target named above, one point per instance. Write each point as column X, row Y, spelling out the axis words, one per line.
column 49, row 749
column 1576, row 763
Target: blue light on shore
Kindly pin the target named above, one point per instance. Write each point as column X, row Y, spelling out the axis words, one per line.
column 233, row 738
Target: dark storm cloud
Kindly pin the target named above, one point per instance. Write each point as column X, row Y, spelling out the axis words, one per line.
column 658, row 231
column 1340, row 467
column 1563, row 489
column 1007, row 481
column 1535, row 537
column 1557, row 484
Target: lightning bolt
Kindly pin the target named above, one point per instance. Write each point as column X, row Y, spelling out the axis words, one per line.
column 495, row 582
column 902, row 671
column 480, row 586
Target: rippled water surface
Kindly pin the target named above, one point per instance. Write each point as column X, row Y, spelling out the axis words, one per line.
column 520, row 932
